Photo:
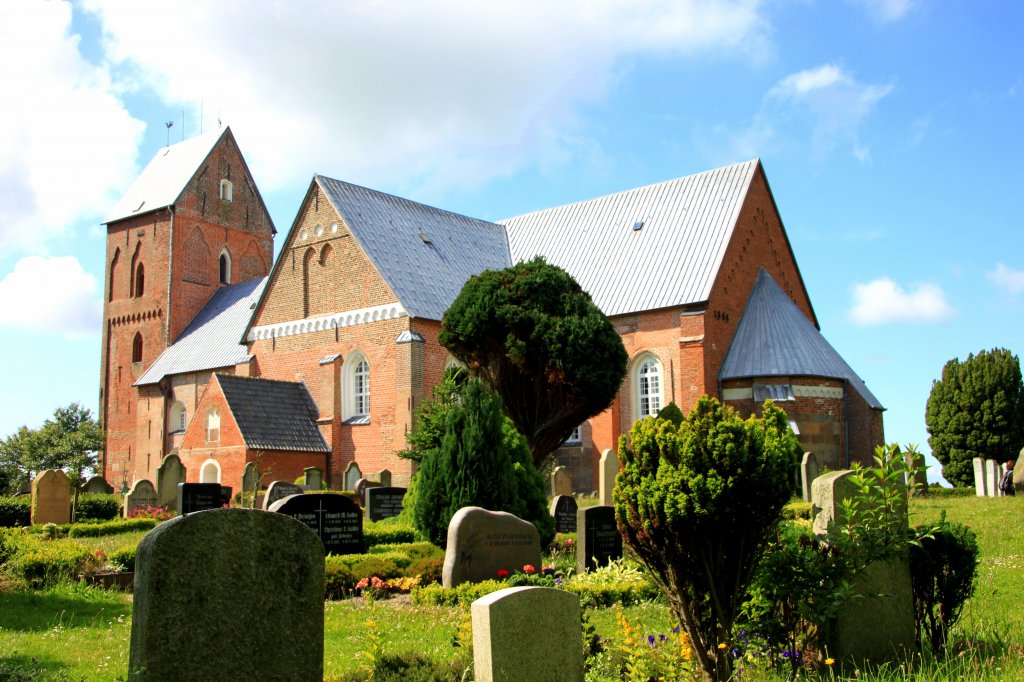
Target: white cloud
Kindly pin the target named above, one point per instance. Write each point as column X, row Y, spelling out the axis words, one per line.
column 50, row 295
column 447, row 91
column 70, row 145
column 882, row 301
column 1008, row 279
column 887, row 11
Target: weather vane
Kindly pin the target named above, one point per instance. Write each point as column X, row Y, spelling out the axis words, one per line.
column 169, row 125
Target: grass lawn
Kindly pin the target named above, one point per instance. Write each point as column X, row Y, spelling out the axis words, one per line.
column 78, row 633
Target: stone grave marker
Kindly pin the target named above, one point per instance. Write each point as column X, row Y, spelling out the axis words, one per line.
column 24, row 488
column 561, row 482
column 228, row 594
column 810, row 469
column 383, row 503
column 597, row 538
column 980, row 487
column 362, row 485
column 384, row 477
column 510, row 642
column 142, row 494
column 482, row 542
column 827, row 493
column 336, row 519
column 313, row 478
column 564, row 509
column 97, row 484
column 607, row 469
column 278, row 490
column 250, row 478
column 352, row 475
column 993, row 471
column 196, row 497
column 1018, row 473
column 51, row 497
column 169, row 474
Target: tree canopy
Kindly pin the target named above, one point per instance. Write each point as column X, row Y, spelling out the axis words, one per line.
column 534, row 335
column 976, row 410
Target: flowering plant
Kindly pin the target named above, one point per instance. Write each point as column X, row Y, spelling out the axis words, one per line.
column 502, row 574
column 529, row 569
column 373, row 588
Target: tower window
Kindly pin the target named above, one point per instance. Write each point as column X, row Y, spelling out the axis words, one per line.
column 226, row 190
column 140, row 281
column 225, row 267
column 137, row 348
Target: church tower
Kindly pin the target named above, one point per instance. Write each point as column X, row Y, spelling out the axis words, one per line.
column 192, row 222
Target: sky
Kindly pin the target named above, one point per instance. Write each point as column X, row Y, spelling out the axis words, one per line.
column 890, row 132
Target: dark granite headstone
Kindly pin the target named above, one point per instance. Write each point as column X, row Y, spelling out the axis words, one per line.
column 278, row 490
column 564, row 509
column 597, row 538
column 383, row 503
column 335, row 518
column 194, row 497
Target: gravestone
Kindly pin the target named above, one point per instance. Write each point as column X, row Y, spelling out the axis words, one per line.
column 228, row 594
column 352, row 475
column 169, row 474
column 51, row 497
column 384, row 477
column 482, row 542
column 878, row 626
column 142, row 494
column 250, row 478
column 362, row 485
column 97, row 484
column 980, row 487
column 383, row 503
column 511, row 643
column 993, row 471
column 313, row 478
column 564, row 509
column 810, row 469
column 197, row 497
column 607, row 469
column 597, row 538
column 278, row 490
column 915, row 463
column 561, row 482
column 336, row 519
column 24, row 488
column 1018, row 473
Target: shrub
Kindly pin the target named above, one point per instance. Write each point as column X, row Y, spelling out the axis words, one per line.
column 936, row 491
column 15, row 511
column 152, row 512
column 943, row 569
column 95, row 530
column 797, row 509
column 429, row 570
column 42, row 563
column 343, row 571
column 123, row 558
column 382, row 533
column 99, row 506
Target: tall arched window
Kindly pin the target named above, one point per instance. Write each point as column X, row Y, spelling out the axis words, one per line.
column 225, row 267
column 647, row 386
column 356, row 384
column 137, row 347
column 307, row 265
column 140, row 280
column 226, row 190
column 113, row 274
column 210, row 472
column 176, row 418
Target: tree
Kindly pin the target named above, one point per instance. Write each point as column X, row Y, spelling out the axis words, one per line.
column 698, row 505
column 539, row 341
column 481, row 461
column 976, row 410
column 15, row 450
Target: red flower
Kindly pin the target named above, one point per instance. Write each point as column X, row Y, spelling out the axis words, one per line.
column 528, row 569
column 502, row 573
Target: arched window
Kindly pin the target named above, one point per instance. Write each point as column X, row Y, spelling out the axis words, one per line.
column 225, row 267
column 113, row 274
column 176, row 418
column 213, row 426
column 137, row 347
column 226, row 190
column 356, row 383
column 210, row 472
column 140, row 280
column 307, row 264
column 647, row 386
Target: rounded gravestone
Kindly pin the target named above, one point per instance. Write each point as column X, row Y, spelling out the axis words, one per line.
column 482, row 542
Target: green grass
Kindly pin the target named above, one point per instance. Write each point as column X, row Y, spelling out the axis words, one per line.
column 78, row 633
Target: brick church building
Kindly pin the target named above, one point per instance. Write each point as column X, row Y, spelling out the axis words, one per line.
column 216, row 353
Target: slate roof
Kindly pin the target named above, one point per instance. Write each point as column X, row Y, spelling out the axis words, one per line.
column 273, row 415
column 774, row 338
column 211, row 340
column 425, row 254
column 165, row 177
column 671, row 260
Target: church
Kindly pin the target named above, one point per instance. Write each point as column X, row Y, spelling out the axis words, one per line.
column 217, row 353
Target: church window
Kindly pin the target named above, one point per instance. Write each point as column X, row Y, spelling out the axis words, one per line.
column 210, row 472
column 647, row 385
column 356, row 384
column 307, row 262
column 574, row 438
column 176, row 418
column 213, row 426
column 779, row 393
column 226, row 190
column 140, row 280
column 137, row 347
column 113, row 274
column 225, row 267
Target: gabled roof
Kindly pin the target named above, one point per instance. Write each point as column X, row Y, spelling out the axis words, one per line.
column 273, row 415
column 647, row 248
column 211, row 340
column 774, row 338
column 425, row 254
column 165, row 177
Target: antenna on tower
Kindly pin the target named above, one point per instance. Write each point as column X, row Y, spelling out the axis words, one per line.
column 169, row 124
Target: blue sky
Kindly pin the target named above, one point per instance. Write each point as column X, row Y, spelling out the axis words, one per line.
column 890, row 131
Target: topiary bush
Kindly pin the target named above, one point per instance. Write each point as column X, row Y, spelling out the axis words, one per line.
column 15, row 511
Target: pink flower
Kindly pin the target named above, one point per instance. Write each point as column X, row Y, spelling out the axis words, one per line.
column 362, row 583
column 528, row 569
column 502, row 574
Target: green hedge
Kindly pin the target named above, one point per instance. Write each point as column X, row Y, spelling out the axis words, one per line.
column 15, row 511
column 95, row 530
column 123, row 558
column 591, row 596
column 394, row 560
column 383, row 533
column 936, row 491
column 42, row 563
column 99, row 506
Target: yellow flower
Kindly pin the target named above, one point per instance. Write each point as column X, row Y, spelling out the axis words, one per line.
column 722, row 645
column 830, row 661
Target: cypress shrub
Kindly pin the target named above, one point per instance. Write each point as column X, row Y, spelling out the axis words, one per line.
column 943, row 570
